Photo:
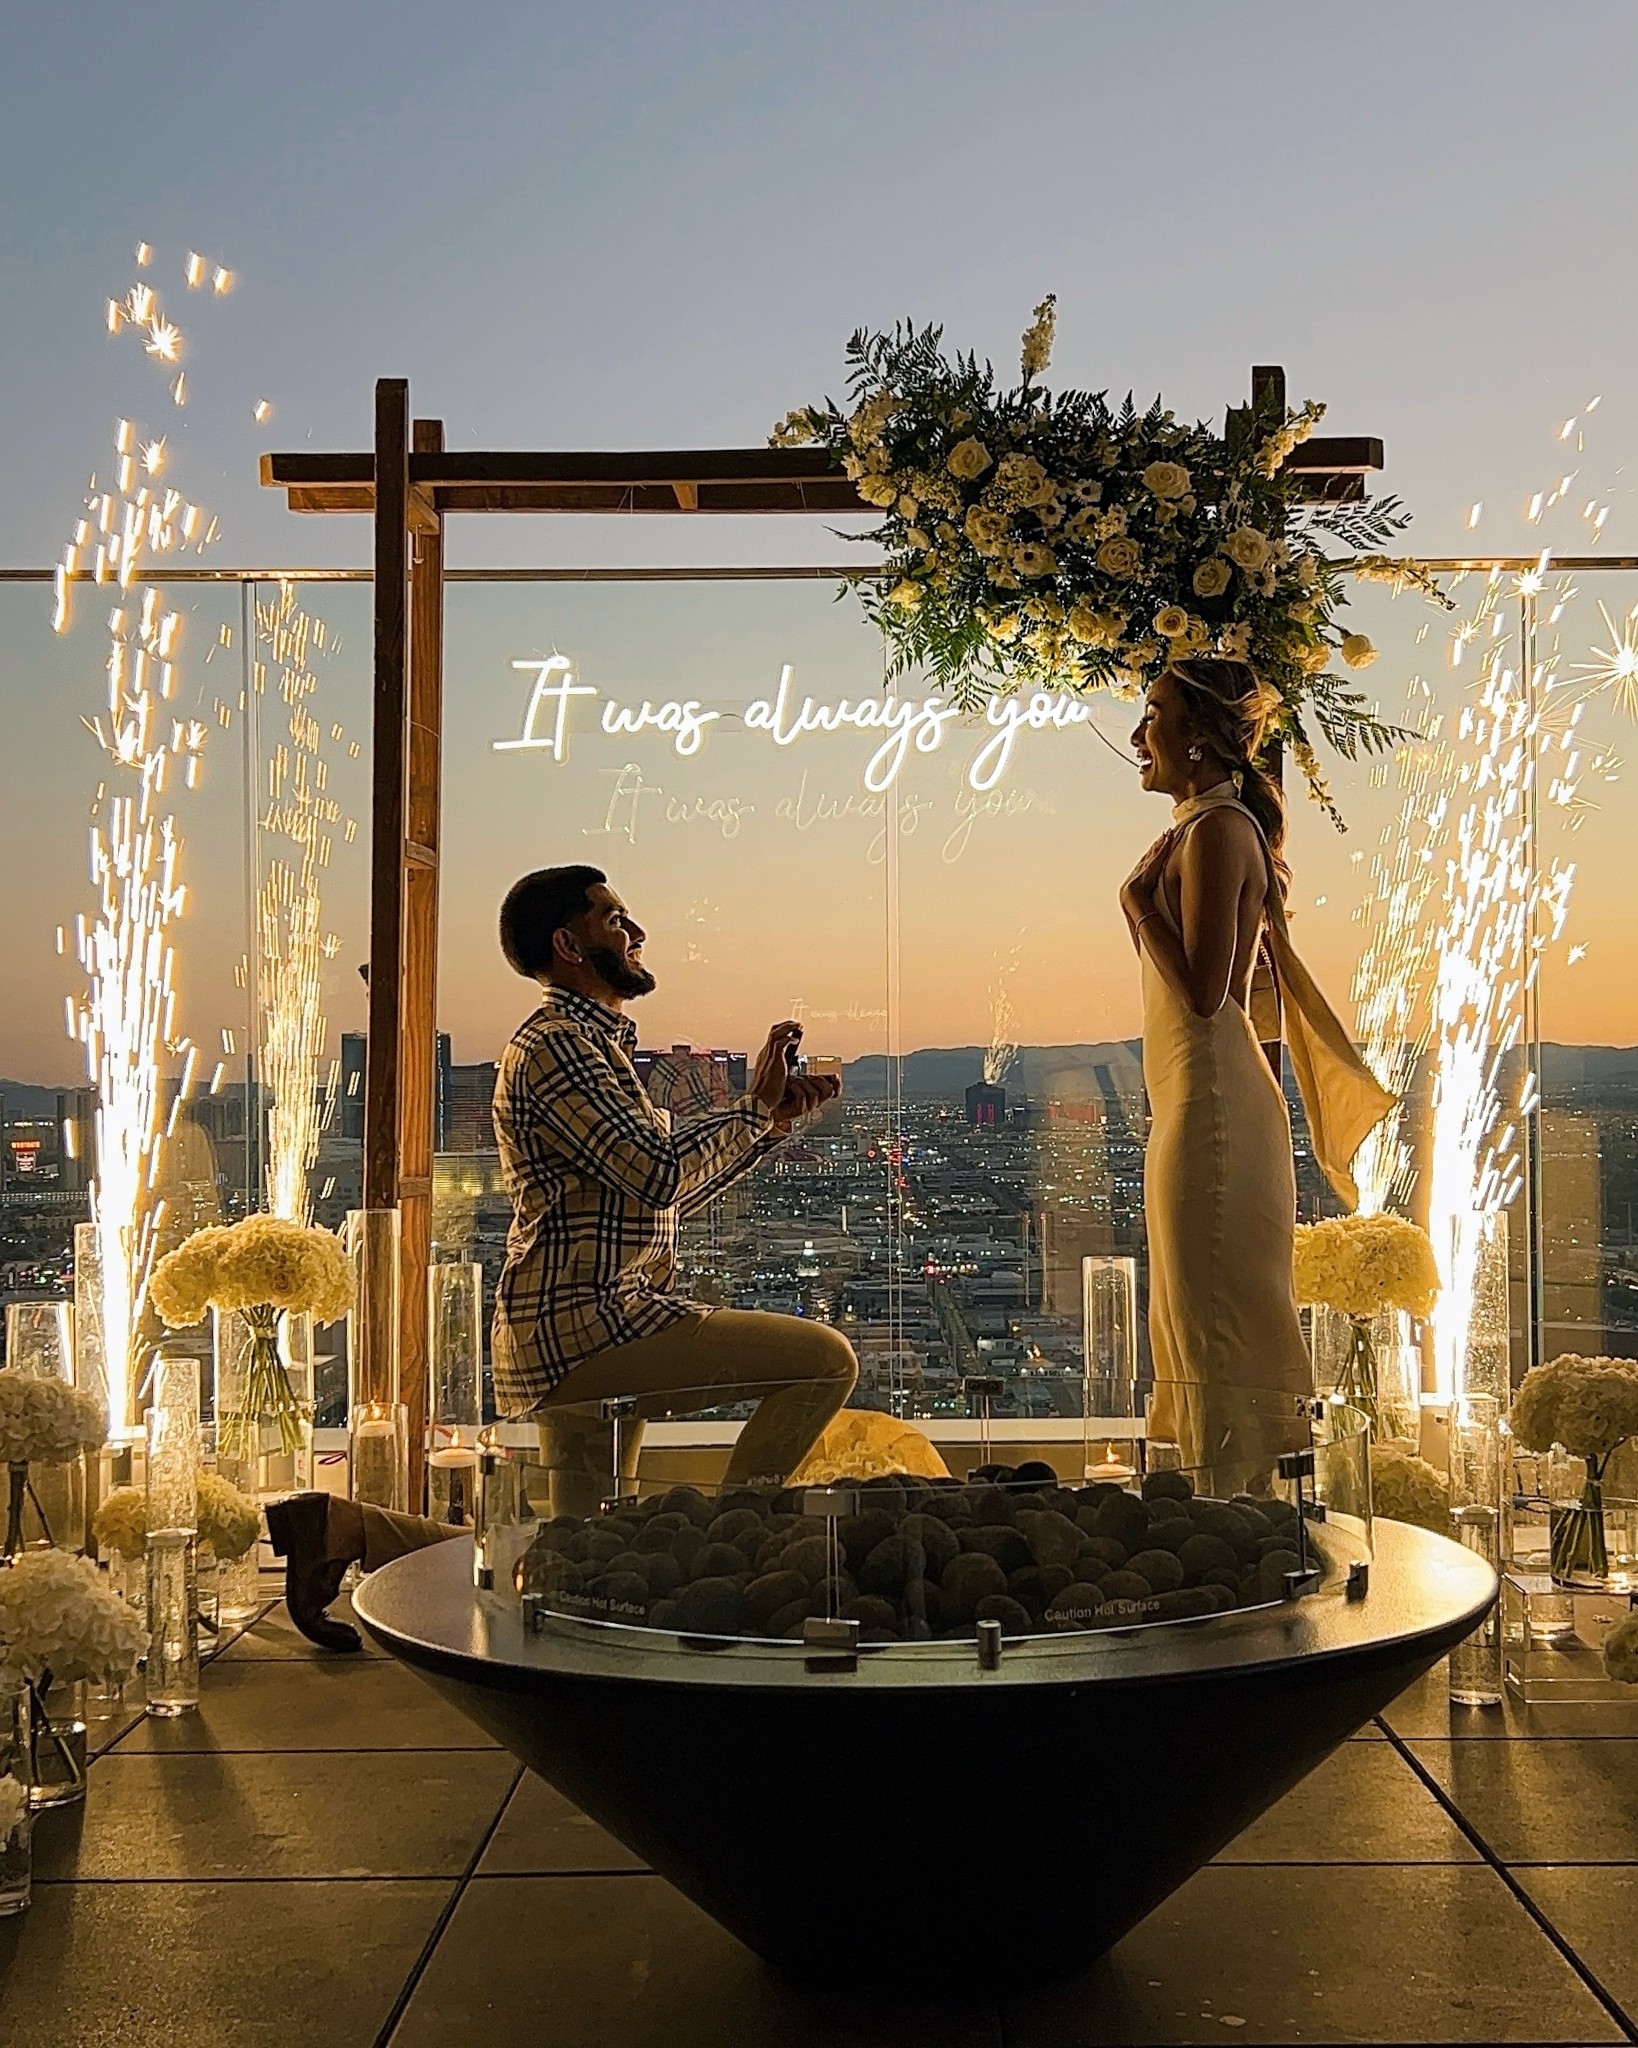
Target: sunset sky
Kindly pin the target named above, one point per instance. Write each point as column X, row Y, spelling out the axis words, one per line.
column 641, row 226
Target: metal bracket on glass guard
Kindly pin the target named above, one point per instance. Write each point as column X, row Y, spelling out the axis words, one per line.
column 620, row 1409
column 536, row 1613
column 1359, row 1579
column 983, row 1388
column 989, row 1646
column 1298, row 1466
column 830, row 1644
column 831, row 1502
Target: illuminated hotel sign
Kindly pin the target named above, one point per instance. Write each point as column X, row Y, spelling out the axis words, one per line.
column 897, row 725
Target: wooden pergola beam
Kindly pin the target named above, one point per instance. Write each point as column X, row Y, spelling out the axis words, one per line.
column 744, row 481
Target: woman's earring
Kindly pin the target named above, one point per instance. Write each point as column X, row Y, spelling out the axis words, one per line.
column 1194, row 754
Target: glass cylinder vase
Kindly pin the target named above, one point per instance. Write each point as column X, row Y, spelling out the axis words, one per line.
column 1578, row 1540
column 1109, row 1368
column 58, row 1745
column 173, row 1529
column 380, row 1460
column 1371, row 1362
column 90, row 1354
column 40, row 1339
column 264, row 1401
column 454, row 1372
column 1476, row 1491
column 380, row 1454
column 16, row 1851
column 44, row 1507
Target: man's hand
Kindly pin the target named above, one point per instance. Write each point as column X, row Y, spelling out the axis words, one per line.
column 773, row 1075
column 805, row 1093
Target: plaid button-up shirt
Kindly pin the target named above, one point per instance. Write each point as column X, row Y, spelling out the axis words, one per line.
column 598, row 1178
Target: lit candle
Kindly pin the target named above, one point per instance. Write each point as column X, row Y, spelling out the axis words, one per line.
column 1111, row 1467
column 451, row 1475
column 380, row 1453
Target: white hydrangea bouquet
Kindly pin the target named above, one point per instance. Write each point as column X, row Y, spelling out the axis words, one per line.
column 1588, row 1407
column 1360, row 1267
column 59, row 1624
column 1051, row 540
column 42, row 1422
column 229, row 1521
column 1405, row 1488
column 260, row 1269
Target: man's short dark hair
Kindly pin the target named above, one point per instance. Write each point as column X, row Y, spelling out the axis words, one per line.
column 537, row 908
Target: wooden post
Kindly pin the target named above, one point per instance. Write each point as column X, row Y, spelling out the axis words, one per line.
column 418, row 1024
column 381, row 1064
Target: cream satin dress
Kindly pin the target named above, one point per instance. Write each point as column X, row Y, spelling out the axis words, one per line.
column 1220, row 1201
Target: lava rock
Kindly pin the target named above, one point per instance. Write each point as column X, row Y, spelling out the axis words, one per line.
column 735, row 1500
column 1123, row 1516
column 809, row 1555
column 1232, row 1528
column 885, row 1495
column 1168, row 1486
column 1034, row 1474
column 1203, row 1553
column 687, row 1544
column 874, row 1615
column 861, row 1533
column 1271, row 1571
column 1169, row 1534
column 662, row 1571
column 966, row 1580
column 1110, row 1554
column 728, row 1528
column 787, row 1621
column 990, row 1475
column 1277, row 1546
column 689, row 1501
column 1075, row 1607
column 663, row 1614
column 718, row 1561
column 992, row 1508
column 948, row 1506
column 1184, row 1603
column 1005, row 1544
column 891, row 1565
column 622, row 1596
column 1127, row 1585
column 1224, row 1597
column 923, row 1603
column 934, row 1536
column 1015, row 1619
column 657, row 1532
column 831, row 1595
column 1052, row 1538
column 764, row 1597
column 1253, row 1517
column 709, row 1607
column 1163, row 1569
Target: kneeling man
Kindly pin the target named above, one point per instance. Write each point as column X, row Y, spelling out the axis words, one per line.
column 588, row 1308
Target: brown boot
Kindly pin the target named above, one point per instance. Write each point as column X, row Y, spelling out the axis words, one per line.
column 301, row 1534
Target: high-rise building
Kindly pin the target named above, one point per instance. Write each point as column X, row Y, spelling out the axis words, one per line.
column 350, row 1107
column 470, row 1125
column 986, row 1106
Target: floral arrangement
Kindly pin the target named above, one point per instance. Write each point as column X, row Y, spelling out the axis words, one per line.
column 1589, row 1407
column 46, row 1421
column 1053, row 540
column 263, row 1262
column 57, row 1617
column 259, row 1269
column 1360, row 1267
column 1621, row 1650
column 13, row 1807
column 1405, row 1488
column 229, row 1521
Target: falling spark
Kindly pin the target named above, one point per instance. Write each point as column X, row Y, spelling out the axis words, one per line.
column 1614, row 668
column 1003, row 1046
column 262, row 410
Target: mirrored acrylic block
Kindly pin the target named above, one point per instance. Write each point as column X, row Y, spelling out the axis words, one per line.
column 1553, row 1643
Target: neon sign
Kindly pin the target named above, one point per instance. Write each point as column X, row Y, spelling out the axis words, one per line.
column 903, row 723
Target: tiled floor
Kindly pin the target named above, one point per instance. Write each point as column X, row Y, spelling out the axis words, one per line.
column 327, row 1854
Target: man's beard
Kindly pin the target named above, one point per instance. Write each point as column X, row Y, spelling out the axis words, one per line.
column 615, row 974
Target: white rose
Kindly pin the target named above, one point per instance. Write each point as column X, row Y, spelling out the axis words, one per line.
column 1212, row 577
column 1357, row 651
column 1246, row 547
column 1171, row 622
column 968, row 459
column 1120, row 556
column 1166, row 480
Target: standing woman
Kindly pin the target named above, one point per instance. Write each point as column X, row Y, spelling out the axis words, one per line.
column 1206, row 909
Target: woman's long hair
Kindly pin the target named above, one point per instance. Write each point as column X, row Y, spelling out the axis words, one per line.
column 1229, row 709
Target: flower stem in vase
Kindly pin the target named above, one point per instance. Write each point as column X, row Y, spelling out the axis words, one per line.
column 1580, row 1553
column 57, row 1744
column 1358, row 1383
column 16, row 1494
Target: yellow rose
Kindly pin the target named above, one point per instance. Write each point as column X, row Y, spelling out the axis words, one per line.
column 1171, row 622
column 1246, row 547
column 1166, row 479
column 905, row 594
column 1211, row 578
column 1022, row 479
column 1357, row 651
column 968, row 459
column 878, row 490
column 1000, row 625
column 1120, row 556
column 1313, row 658
column 1034, row 560
column 986, row 529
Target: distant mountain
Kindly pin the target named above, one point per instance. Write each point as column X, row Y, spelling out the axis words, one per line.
column 1047, row 1073
column 26, row 1099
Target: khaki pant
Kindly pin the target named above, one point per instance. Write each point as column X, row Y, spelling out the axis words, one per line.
column 798, row 1372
